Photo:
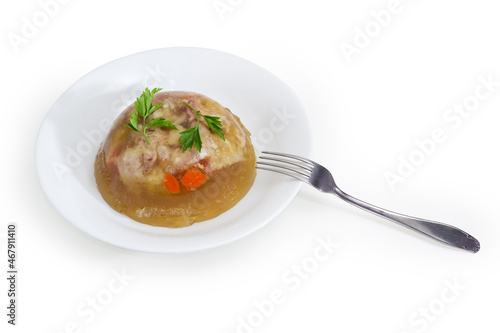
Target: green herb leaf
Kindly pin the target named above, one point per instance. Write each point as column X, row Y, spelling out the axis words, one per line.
column 215, row 125
column 192, row 136
column 143, row 106
column 140, row 105
column 189, row 138
column 153, row 109
column 161, row 122
column 132, row 127
column 134, row 121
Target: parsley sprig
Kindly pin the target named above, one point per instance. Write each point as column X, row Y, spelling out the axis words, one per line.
column 192, row 136
column 188, row 138
column 144, row 108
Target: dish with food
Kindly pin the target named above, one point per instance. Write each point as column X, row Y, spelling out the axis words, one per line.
column 195, row 162
column 77, row 124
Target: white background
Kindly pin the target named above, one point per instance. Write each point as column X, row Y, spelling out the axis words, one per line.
column 367, row 110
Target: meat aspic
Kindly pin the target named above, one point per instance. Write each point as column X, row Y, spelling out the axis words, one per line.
column 155, row 179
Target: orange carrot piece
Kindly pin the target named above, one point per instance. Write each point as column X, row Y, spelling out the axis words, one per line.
column 171, row 183
column 193, row 178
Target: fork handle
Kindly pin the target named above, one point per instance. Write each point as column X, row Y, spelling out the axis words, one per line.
column 439, row 231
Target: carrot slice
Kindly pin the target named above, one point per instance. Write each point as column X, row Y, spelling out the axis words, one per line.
column 171, row 183
column 193, row 178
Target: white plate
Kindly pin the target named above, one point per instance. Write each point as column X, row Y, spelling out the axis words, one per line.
column 74, row 127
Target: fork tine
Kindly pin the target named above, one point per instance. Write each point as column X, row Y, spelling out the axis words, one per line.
column 279, row 169
column 289, row 162
column 279, row 166
column 295, row 157
column 290, row 165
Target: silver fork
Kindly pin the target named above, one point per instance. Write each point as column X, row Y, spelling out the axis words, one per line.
column 319, row 177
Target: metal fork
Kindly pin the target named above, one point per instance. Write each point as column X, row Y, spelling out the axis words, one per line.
column 319, row 177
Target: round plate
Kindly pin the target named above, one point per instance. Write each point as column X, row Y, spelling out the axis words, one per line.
column 75, row 126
